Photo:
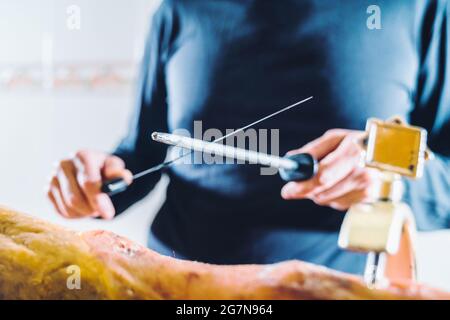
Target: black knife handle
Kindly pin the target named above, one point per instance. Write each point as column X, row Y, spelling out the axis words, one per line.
column 307, row 168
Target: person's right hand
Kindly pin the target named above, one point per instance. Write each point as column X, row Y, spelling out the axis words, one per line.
column 74, row 188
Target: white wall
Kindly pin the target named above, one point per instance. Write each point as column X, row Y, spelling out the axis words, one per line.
column 40, row 126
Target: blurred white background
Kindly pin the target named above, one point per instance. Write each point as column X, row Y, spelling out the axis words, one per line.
column 43, row 121
column 43, row 124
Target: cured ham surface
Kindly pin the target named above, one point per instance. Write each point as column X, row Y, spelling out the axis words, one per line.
column 39, row 260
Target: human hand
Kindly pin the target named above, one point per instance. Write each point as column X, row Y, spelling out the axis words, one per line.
column 74, row 188
column 341, row 181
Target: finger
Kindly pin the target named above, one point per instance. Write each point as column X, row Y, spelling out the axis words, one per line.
column 53, row 201
column 358, row 179
column 88, row 166
column 339, row 163
column 61, row 207
column 56, row 199
column 298, row 190
column 318, row 148
column 89, row 177
column 304, row 189
column 332, row 169
column 323, row 145
column 105, row 205
column 114, row 167
column 346, row 201
column 71, row 192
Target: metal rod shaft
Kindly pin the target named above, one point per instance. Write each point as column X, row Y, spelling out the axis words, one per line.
column 218, row 149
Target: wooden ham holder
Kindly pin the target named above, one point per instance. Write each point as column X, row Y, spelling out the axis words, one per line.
column 385, row 228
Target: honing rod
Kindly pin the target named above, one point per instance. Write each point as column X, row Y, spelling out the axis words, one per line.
column 296, row 167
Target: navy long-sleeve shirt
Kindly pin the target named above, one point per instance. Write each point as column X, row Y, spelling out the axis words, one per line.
column 230, row 62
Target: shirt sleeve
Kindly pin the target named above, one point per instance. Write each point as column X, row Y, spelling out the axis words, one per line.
column 150, row 114
column 429, row 197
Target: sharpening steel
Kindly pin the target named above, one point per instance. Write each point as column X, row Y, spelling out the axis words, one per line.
column 297, row 167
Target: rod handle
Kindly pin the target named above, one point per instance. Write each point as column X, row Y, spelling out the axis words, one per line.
column 307, row 168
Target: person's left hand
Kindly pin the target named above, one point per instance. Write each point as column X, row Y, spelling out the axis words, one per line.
column 340, row 181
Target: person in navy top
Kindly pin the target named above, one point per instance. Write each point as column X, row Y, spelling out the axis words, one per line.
column 228, row 63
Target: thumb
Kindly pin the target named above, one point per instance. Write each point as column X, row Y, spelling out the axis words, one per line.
column 114, row 168
column 323, row 145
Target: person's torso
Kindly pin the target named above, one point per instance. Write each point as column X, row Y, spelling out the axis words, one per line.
column 232, row 62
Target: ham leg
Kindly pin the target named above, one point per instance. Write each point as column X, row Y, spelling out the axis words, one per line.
column 38, row 259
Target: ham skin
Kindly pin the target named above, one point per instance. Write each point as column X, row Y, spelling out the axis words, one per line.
column 36, row 257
